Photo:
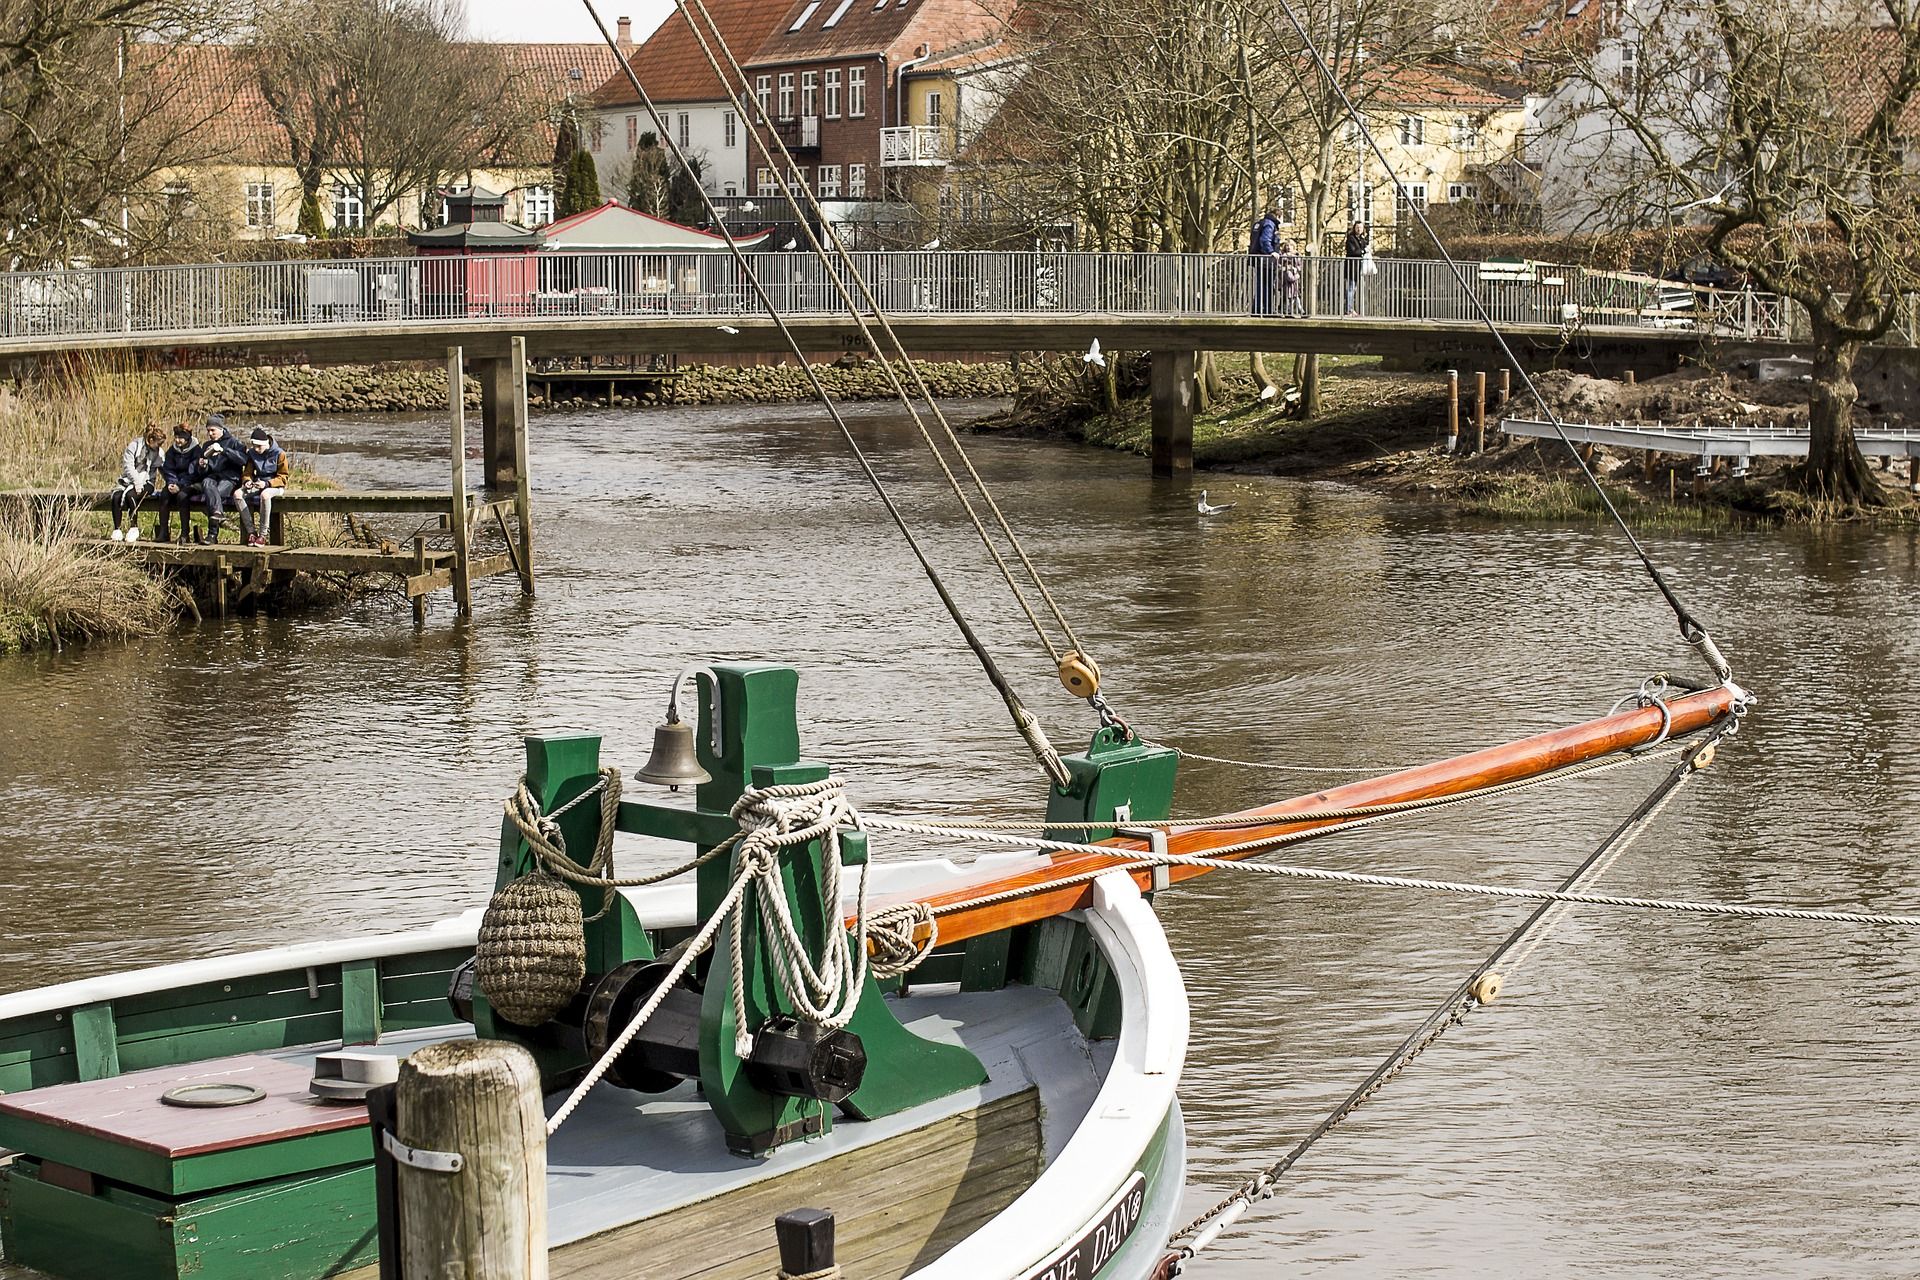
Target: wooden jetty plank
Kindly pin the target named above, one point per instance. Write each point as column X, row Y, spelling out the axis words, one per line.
column 1509, row 762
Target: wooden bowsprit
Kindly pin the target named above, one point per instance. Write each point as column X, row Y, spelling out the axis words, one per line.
column 1062, row 885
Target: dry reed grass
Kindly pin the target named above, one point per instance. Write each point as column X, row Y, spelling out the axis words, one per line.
column 55, row 590
column 66, row 430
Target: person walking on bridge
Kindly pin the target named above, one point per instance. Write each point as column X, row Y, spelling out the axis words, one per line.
column 1359, row 254
column 1264, row 249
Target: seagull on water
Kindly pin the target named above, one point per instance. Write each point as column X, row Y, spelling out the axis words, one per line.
column 1094, row 357
column 1208, row 509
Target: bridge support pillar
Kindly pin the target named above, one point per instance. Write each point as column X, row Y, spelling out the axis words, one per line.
column 1171, row 385
column 503, row 414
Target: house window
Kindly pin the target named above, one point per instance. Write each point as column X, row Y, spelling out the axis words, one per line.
column 1407, row 197
column 1466, row 132
column 833, row 93
column 829, row 181
column 633, row 132
column 936, row 108
column 1463, row 191
column 536, row 206
column 809, row 93
column 349, row 206
column 685, row 132
column 857, row 181
column 730, row 189
column 856, row 91
column 812, row 8
column 1360, row 203
column 730, row 130
column 839, row 12
column 259, row 204
column 786, row 95
column 1629, row 67
column 1353, row 133
column 1413, row 130
column 763, row 182
column 1283, row 204
column 763, row 93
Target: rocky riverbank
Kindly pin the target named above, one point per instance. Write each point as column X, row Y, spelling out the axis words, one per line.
column 300, row 389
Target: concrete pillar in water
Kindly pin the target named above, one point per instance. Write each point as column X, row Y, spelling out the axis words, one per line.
column 1172, row 388
column 502, row 414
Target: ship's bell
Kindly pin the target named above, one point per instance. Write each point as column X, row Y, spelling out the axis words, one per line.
column 673, row 764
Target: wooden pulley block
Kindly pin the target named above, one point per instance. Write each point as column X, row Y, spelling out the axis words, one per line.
column 1705, row 757
column 1079, row 675
column 1485, row 988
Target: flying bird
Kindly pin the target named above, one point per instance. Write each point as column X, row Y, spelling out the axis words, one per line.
column 727, row 328
column 1208, row 509
column 1094, row 357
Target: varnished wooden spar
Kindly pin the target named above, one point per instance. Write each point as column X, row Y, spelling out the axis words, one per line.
column 1510, row 762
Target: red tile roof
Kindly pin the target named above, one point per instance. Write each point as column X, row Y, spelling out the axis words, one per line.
column 865, row 28
column 671, row 66
column 1429, row 86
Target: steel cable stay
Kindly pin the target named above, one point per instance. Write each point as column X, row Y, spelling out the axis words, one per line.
column 1023, row 720
column 1078, row 672
column 1691, row 629
column 1480, row 987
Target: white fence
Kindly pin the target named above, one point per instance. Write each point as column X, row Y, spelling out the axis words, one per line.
column 244, row 298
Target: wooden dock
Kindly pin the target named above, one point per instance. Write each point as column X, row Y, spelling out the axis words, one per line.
column 240, row 573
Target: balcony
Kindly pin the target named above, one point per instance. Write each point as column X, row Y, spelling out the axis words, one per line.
column 914, row 144
column 800, row 133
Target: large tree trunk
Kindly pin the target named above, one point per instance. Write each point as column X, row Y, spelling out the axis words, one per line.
column 1836, row 470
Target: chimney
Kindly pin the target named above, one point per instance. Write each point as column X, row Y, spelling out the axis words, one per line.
column 623, row 29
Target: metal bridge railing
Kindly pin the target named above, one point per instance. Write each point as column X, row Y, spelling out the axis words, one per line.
column 250, row 298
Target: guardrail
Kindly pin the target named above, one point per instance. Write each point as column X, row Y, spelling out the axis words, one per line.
column 246, row 298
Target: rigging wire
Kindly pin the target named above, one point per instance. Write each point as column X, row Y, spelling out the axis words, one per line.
column 784, row 171
column 1691, row 630
column 1023, row 720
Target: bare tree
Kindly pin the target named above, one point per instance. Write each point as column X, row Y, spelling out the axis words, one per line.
column 1786, row 129
column 346, row 81
column 91, row 119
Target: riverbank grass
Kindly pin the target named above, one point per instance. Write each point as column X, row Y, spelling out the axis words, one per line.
column 57, row 590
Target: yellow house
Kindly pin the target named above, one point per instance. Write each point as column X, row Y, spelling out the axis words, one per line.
column 247, row 187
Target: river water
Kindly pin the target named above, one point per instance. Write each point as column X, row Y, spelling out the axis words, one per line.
column 1653, row 1095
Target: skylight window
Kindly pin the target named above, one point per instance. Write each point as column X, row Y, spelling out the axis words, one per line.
column 812, row 8
column 839, row 12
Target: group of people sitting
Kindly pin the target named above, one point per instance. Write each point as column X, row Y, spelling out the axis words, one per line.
column 218, row 474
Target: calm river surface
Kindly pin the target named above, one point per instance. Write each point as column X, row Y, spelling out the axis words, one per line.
column 1653, row 1095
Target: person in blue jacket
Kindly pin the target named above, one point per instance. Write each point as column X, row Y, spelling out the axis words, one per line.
column 222, row 467
column 1264, row 248
column 266, row 477
column 178, row 483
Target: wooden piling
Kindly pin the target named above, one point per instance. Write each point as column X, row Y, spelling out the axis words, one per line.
column 458, row 520
column 1480, row 411
column 1913, row 474
column 1453, row 410
column 419, row 570
column 1506, row 388
column 479, row 1100
column 1630, row 379
column 522, row 492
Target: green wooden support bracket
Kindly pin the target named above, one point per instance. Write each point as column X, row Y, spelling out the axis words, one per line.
column 759, row 745
column 1114, row 774
column 96, row 1042
column 985, row 965
column 360, row 1002
column 559, row 769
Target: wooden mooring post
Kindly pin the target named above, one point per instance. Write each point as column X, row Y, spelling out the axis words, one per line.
column 522, row 492
column 486, row 1218
column 459, row 520
column 1480, row 412
column 1453, row 410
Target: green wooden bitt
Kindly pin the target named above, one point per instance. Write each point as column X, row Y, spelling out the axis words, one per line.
column 96, row 1042
column 759, row 744
column 1113, row 772
column 559, row 769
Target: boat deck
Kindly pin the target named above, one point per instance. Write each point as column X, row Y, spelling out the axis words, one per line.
column 648, row 1176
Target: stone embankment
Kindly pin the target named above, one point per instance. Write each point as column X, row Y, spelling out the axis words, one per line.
column 409, row 387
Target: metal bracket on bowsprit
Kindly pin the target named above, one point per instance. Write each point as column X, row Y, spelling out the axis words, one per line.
column 1156, row 838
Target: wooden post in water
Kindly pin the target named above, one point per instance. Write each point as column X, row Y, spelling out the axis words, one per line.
column 1506, row 388
column 522, row 494
column 1480, row 411
column 419, row 570
column 1453, row 410
column 461, row 526
column 487, row 1220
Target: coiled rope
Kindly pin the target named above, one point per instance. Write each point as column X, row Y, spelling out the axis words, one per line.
column 772, row 821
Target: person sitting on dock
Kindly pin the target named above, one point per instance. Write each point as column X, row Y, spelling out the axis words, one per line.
column 177, row 485
column 221, row 467
column 139, row 477
column 266, row 475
